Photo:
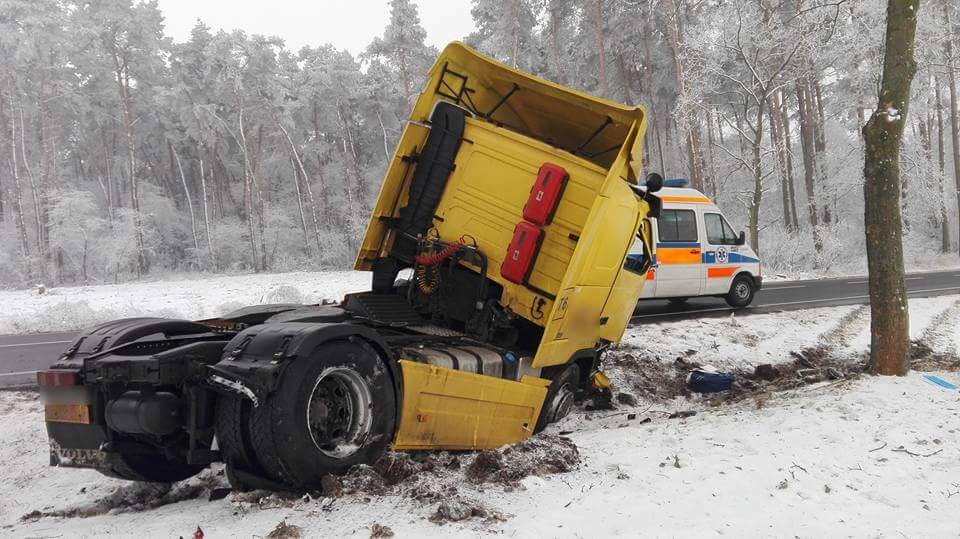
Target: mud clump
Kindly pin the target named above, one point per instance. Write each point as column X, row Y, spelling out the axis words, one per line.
column 644, row 376
column 539, row 455
column 378, row 531
column 390, row 470
column 285, row 531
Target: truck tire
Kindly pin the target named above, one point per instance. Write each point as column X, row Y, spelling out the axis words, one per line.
column 233, row 438
column 331, row 410
column 559, row 400
column 741, row 292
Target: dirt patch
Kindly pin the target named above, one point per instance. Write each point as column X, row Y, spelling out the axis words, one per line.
column 136, row 497
column 540, row 455
column 934, row 350
column 285, row 531
column 633, row 371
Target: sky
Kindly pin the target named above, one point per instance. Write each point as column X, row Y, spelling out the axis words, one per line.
column 347, row 24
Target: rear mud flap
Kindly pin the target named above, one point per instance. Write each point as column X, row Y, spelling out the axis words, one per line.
column 448, row 409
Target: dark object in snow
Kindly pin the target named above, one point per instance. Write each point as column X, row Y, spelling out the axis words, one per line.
column 682, row 363
column 219, row 494
column 627, row 399
column 709, row 382
column 682, row 414
column 631, row 417
column 766, row 372
column 645, row 420
column 456, row 510
column 331, row 486
column 377, row 531
column 285, row 531
column 198, row 534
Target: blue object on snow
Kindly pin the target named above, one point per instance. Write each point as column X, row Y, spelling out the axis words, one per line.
column 709, row 382
column 940, row 382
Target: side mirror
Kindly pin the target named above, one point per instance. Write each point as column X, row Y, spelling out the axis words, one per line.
column 654, row 182
column 742, row 239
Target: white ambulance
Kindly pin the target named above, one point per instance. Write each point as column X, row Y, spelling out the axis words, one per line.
column 696, row 252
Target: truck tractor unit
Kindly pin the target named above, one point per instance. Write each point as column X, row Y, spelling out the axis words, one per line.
column 498, row 250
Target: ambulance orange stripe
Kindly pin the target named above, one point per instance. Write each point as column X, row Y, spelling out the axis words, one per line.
column 678, row 255
column 693, row 200
column 714, row 273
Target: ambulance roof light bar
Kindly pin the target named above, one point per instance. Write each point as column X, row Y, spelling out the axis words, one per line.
column 676, row 182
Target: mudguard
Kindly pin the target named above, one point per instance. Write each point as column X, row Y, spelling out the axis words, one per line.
column 255, row 359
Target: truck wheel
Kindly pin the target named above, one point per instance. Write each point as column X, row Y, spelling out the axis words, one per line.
column 332, row 410
column 741, row 292
column 148, row 468
column 233, row 438
column 559, row 400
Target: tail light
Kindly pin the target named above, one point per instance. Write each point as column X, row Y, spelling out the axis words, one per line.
column 57, row 378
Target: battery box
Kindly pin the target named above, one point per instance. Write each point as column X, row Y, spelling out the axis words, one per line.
column 545, row 194
column 522, row 252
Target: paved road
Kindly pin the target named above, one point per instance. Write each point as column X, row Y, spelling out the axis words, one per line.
column 22, row 355
column 796, row 295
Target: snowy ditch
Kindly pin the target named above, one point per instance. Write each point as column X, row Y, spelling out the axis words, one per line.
column 796, row 451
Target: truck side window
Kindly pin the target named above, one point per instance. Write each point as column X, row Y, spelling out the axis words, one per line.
column 678, row 226
column 718, row 231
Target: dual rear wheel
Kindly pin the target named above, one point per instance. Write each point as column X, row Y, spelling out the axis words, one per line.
column 331, row 411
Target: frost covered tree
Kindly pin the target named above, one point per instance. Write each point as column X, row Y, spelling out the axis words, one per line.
column 890, row 325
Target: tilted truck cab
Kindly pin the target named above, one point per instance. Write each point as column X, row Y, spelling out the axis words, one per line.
column 498, row 253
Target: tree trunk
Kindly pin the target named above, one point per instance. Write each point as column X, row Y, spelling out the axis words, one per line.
column 601, row 46
column 687, row 111
column 206, row 217
column 954, row 105
column 248, row 205
column 123, row 88
column 788, row 142
column 809, row 166
column 17, row 189
column 942, row 167
column 34, row 190
column 757, row 166
column 298, row 162
column 186, row 191
column 883, row 134
column 303, row 218
column 780, row 151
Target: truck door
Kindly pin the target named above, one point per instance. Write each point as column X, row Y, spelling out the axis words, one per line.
column 720, row 253
column 678, row 253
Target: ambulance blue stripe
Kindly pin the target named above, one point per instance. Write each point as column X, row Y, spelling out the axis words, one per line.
column 732, row 258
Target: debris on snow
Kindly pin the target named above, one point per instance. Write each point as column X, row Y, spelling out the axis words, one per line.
column 379, row 531
column 285, row 531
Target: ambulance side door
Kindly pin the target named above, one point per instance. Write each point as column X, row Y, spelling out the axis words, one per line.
column 720, row 253
column 679, row 272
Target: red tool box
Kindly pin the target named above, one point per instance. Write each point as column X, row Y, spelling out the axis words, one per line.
column 545, row 194
column 521, row 253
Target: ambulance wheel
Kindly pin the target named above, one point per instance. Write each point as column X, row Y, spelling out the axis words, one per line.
column 559, row 400
column 677, row 301
column 741, row 292
column 332, row 410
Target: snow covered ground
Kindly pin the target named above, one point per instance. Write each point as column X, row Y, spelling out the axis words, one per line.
column 874, row 457
column 74, row 308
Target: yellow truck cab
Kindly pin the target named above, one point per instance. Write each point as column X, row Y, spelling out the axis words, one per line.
column 697, row 253
column 512, row 204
